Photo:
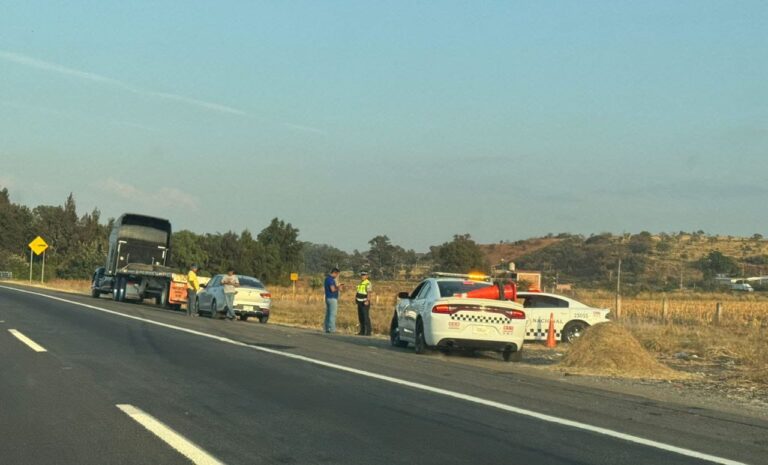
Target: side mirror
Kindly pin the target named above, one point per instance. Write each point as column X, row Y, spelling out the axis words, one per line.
column 403, row 295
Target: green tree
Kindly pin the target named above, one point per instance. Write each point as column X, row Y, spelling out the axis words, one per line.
column 383, row 257
column 320, row 258
column 716, row 263
column 282, row 251
column 461, row 255
column 188, row 248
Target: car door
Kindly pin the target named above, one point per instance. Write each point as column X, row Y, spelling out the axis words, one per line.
column 409, row 311
column 538, row 308
column 418, row 305
column 206, row 295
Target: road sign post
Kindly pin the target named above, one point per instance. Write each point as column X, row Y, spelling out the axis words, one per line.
column 37, row 246
column 294, row 278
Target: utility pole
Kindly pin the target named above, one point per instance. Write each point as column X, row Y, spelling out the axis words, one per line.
column 618, row 291
column 682, row 269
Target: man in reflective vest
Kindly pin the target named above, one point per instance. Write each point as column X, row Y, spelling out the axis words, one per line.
column 363, row 298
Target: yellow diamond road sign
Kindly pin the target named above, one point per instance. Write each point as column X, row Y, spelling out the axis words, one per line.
column 38, row 245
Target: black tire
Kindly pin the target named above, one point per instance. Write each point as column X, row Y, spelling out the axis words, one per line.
column 95, row 293
column 164, row 297
column 419, row 343
column 573, row 331
column 394, row 334
column 510, row 355
column 118, row 294
column 243, row 317
column 213, row 309
column 264, row 319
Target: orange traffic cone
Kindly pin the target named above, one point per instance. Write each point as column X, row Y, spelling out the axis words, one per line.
column 488, row 292
column 551, row 343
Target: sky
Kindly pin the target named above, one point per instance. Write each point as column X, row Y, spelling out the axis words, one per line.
column 415, row 119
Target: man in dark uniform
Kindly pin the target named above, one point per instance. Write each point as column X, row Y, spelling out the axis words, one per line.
column 363, row 299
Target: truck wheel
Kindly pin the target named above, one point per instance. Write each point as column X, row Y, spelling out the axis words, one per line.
column 95, row 293
column 164, row 296
column 263, row 319
column 118, row 293
column 243, row 317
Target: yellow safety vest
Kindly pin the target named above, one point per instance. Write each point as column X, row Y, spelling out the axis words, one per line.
column 362, row 290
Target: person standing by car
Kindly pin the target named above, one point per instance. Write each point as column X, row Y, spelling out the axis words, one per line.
column 331, row 287
column 230, row 283
column 193, row 286
column 363, row 299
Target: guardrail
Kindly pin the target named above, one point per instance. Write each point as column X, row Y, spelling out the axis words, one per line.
column 6, row 275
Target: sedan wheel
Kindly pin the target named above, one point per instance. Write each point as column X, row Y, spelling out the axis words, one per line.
column 419, row 343
column 573, row 331
column 213, row 309
column 394, row 334
column 510, row 355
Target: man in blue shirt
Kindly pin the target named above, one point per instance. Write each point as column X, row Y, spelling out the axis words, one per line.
column 331, row 300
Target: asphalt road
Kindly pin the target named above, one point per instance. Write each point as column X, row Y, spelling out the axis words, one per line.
column 246, row 393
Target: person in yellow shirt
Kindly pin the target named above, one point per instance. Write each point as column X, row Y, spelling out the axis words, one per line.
column 193, row 286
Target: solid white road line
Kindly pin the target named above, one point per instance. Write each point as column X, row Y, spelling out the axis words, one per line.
column 419, row 386
column 185, row 447
column 32, row 344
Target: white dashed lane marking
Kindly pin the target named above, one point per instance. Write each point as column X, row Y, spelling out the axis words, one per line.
column 181, row 444
column 32, row 344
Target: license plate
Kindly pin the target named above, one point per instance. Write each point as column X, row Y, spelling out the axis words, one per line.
column 247, row 307
column 480, row 330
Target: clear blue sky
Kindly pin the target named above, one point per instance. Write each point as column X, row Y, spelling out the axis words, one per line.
column 418, row 120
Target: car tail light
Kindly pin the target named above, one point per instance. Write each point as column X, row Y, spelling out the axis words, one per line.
column 445, row 309
column 266, row 295
column 515, row 314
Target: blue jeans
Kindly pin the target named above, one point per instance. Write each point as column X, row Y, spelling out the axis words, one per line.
column 331, row 306
column 230, row 296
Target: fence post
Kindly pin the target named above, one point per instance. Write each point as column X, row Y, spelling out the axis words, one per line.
column 618, row 307
column 664, row 309
column 718, row 313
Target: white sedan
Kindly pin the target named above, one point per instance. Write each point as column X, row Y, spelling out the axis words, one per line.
column 571, row 316
column 251, row 300
column 442, row 313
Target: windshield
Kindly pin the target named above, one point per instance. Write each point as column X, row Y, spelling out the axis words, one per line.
column 247, row 281
column 450, row 288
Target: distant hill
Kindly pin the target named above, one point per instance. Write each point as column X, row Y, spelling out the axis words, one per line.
column 649, row 261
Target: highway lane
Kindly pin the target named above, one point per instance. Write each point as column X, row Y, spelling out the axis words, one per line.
column 246, row 406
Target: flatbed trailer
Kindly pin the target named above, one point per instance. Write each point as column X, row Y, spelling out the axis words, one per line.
column 139, row 248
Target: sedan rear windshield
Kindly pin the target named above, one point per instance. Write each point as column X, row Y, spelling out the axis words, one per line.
column 247, row 281
column 449, row 288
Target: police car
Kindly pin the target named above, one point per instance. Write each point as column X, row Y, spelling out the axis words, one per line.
column 571, row 316
column 450, row 311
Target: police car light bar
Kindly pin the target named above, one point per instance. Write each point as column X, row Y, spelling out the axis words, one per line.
column 472, row 276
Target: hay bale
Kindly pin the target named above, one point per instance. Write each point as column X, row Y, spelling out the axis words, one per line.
column 609, row 349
